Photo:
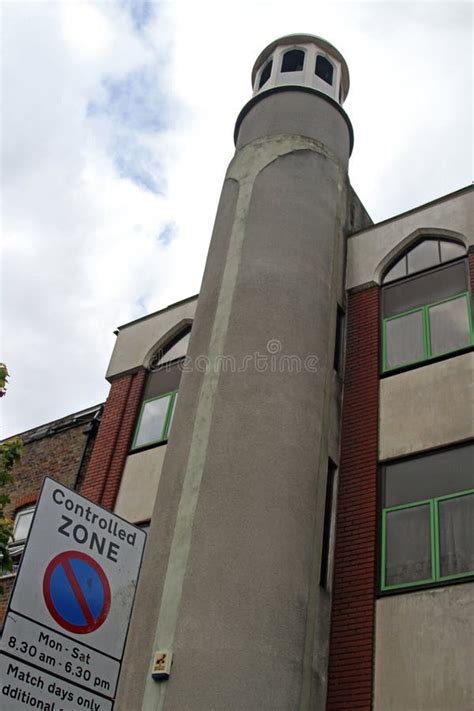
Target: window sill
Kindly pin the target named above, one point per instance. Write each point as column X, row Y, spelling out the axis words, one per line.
column 426, row 586
column 427, row 361
column 145, row 447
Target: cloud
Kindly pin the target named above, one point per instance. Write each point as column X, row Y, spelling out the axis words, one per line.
column 167, row 234
column 133, row 106
column 134, row 101
column 117, row 123
column 141, row 12
column 83, row 198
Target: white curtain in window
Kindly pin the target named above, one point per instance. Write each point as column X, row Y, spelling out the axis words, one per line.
column 456, row 535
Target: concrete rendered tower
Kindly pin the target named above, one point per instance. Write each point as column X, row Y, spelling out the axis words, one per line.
column 230, row 582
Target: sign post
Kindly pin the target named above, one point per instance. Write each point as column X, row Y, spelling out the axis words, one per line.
column 67, row 621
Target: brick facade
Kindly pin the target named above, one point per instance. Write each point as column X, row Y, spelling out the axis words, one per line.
column 350, row 680
column 60, row 450
column 93, row 464
column 102, row 480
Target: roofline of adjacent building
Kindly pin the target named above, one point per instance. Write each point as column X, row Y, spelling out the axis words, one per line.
column 155, row 313
column 61, row 423
column 448, row 196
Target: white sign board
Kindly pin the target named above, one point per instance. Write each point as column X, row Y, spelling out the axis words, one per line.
column 22, row 687
column 72, row 600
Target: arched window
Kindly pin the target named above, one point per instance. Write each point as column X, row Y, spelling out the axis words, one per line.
column 324, row 69
column 160, row 393
column 293, row 61
column 426, row 304
column 265, row 75
column 425, row 254
column 174, row 349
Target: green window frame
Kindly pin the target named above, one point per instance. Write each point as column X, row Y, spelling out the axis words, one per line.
column 166, row 425
column 426, row 334
column 436, row 576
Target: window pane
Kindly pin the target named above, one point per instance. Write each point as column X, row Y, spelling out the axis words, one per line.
column 429, row 476
column 456, row 535
column 162, row 381
column 324, row 69
column 397, row 271
column 408, row 545
column 293, row 61
column 265, row 75
column 451, row 250
column 423, row 256
column 177, row 350
column 22, row 525
column 404, row 339
column 152, row 421
column 449, row 326
column 423, row 289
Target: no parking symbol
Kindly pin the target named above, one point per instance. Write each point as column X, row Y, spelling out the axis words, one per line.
column 76, row 592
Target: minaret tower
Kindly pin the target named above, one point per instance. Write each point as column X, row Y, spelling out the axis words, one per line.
column 231, row 580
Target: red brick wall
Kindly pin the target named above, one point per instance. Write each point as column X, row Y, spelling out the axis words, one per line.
column 57, row 455
column 7, row 586
column 350, row 678
column 103, row 475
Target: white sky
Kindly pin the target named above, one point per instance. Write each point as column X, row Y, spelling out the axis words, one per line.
column 116, row 124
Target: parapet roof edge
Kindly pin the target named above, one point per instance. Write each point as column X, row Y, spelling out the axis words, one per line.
column 442, row 198
column 160, row 311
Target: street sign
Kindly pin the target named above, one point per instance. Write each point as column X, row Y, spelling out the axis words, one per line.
column 70, row 608
column 77, row 592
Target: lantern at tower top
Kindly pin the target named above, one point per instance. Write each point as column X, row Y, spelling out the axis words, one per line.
column 305, row 61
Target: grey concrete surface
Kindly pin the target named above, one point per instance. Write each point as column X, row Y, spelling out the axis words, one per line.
column 296, row 113
column 424, row 647
column 427, row 407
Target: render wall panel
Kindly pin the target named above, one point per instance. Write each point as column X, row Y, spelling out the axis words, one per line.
column 424, row 647
column 141, row 476
column 427, row 407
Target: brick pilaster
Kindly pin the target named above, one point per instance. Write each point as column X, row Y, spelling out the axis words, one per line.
column 103, row 475
column 350, row 680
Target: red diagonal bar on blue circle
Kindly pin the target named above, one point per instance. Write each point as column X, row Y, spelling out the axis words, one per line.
column 76, row 592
